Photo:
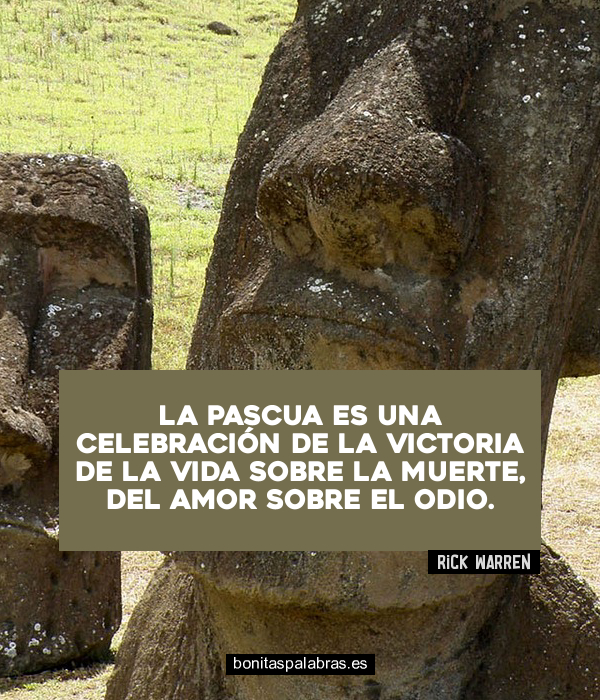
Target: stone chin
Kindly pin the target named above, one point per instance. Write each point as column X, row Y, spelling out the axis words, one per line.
column 55, row 613
column 348, row 582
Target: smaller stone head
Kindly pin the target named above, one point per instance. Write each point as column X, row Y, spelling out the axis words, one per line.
column 75, row 289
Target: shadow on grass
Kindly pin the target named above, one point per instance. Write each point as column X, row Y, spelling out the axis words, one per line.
column 80, row 671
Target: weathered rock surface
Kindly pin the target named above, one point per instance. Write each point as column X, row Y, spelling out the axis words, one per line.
column 75, row 293
column 416, row 188
column 545, row 640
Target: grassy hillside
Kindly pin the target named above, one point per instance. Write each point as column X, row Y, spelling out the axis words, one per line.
column 143, row 83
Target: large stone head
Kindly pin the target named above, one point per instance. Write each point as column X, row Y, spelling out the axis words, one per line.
column 416, row 188
column 74, row 294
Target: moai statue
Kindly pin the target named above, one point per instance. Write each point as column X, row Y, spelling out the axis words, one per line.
column 75, row 293
column 416, row 188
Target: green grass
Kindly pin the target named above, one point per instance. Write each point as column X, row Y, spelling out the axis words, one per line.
column 145, row 84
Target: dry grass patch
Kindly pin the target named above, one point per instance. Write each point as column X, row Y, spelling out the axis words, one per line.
column 571, row 516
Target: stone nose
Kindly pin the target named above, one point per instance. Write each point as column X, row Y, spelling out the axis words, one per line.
column 377, row 179
column 356, row 197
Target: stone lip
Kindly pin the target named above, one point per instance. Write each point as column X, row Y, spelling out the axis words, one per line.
column 369, row 310
column 29, row 521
